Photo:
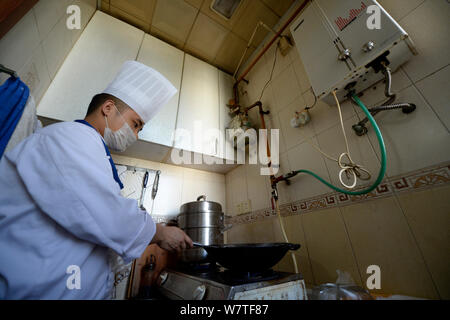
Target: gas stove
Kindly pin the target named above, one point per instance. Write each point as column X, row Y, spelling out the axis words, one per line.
column 217, row 283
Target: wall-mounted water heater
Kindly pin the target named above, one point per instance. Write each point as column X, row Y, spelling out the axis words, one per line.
column 343, row 43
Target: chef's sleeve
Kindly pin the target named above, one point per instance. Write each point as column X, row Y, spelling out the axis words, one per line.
column 70, row 179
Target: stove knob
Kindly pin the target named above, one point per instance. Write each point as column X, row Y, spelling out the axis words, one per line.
column 199, row 292
column 163, row 278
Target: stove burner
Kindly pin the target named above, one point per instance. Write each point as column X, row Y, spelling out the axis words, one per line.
column 241, row 277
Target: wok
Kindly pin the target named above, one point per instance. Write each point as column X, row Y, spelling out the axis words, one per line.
column 248, row 257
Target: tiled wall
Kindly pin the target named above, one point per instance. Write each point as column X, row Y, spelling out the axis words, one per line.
column 38, row 44
column 178, row 185
column 383, row 231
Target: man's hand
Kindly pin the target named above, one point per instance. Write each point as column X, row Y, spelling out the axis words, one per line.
column 171, row 238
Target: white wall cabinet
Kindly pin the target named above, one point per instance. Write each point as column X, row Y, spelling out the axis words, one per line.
column 203, row 91
column 199, row 107
column 168, row 61
column 105, row 44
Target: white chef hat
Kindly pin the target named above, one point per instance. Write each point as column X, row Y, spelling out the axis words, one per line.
column 142, row 88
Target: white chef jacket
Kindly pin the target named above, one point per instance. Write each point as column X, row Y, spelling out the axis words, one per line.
column 60, row 207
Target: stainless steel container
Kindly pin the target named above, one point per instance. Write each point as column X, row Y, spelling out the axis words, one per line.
column 203, row 222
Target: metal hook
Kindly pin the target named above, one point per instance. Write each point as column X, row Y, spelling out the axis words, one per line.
column 8, row 71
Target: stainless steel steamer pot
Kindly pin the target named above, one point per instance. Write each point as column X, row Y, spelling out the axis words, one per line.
column 203, row 221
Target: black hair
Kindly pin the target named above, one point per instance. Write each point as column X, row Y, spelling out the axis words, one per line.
column 99, row 99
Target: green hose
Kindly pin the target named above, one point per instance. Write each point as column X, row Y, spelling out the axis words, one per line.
column 383, row 158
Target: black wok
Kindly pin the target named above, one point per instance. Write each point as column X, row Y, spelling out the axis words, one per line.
column 248, row 257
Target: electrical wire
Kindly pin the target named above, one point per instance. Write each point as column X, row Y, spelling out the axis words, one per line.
column 383, row 159
column 347, row 168
column 283, row 231
column 271, row 73
column 315, row 100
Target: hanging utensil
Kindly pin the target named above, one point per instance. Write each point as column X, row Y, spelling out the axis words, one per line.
column 144, row 188
column 155, row 185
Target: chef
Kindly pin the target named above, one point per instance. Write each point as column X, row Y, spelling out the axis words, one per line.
column 61, row 210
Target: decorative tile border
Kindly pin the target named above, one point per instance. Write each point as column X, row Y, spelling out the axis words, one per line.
column 422, row 179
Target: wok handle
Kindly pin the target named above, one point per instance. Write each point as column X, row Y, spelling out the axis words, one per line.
column 292, row 246
column 198, row 244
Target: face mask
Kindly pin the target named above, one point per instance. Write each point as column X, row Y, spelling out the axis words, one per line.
column 121, row 139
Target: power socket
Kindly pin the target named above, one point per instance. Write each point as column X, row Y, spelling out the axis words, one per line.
column 244, row 207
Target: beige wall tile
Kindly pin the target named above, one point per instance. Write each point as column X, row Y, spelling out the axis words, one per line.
column 257, row 232
column 329, row 246
column 35, row 74
column 206, row 9
column 428, row 216
column 413, row 141
column 174, row 18
column 130, row 19
column 285, row 88
column 56, row 46
column 48, row 13
column 430, row 18
column 164, row 36
column 294, row 136
column 254, row 12
column 362, row 153
column 279, row 7
column 258, row 187
column 17, row 46
column 238, row 187
column 380, row 236
column 230, row 52
column 195, row 3
column 304, row 156
column 398, row 9
column 294, row 230
column 435, row 90
column 206, row 37
column 142, row 9
column 105, row 6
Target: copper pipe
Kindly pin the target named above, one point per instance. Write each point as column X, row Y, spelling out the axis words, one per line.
column 263, row 122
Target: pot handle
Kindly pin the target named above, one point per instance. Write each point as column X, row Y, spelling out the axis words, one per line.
column 201, row 197
column 226, row 228
column 292, row 246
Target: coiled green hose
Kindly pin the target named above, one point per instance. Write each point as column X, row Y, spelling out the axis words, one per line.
column 383, row 158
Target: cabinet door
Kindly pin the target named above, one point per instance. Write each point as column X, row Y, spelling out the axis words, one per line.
column 199, row 107
column 94, row 61
column 225, row 95
column 168, row 61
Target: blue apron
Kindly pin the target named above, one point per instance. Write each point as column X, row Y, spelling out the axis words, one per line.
column 113, row 166
column 13, row 98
